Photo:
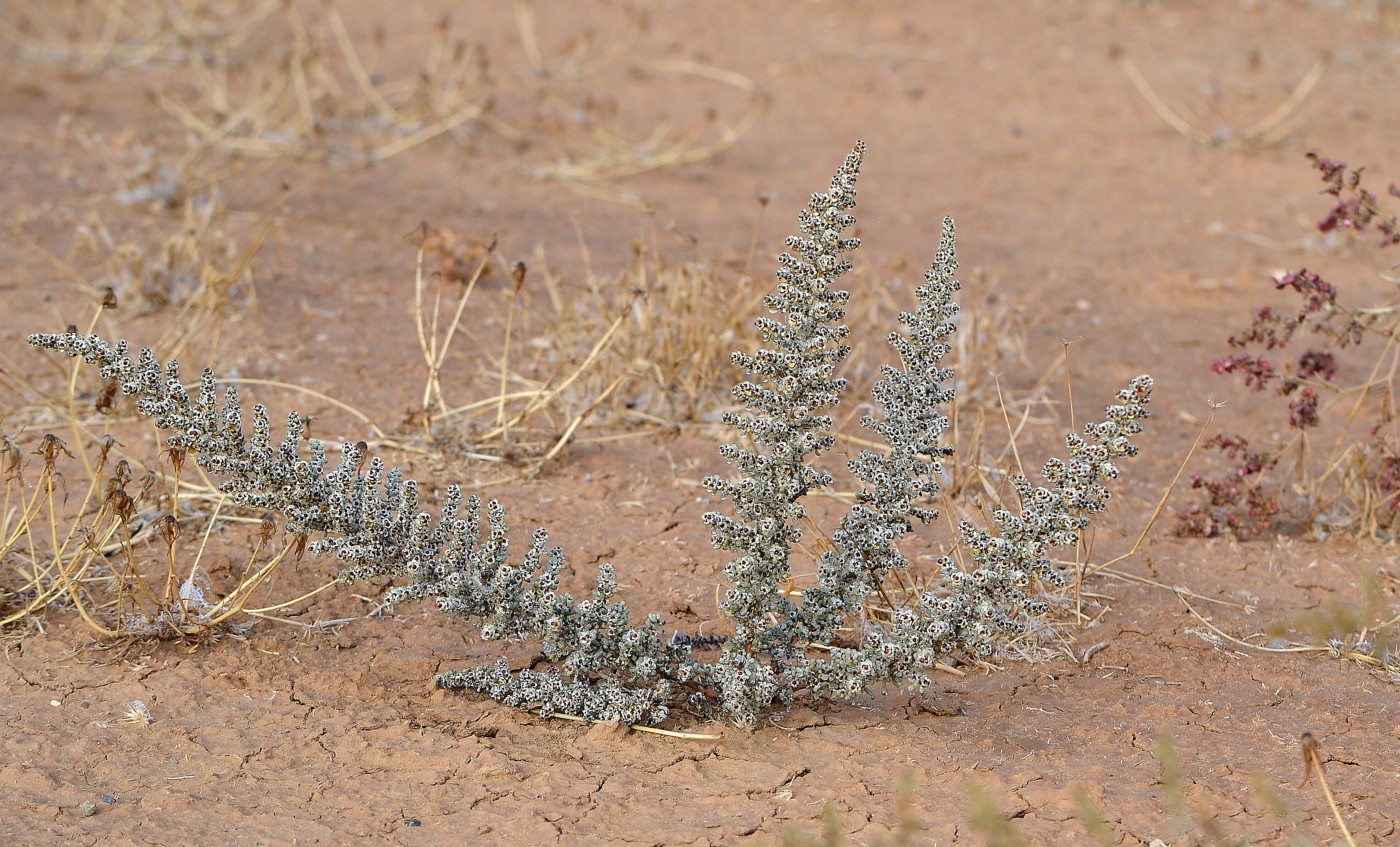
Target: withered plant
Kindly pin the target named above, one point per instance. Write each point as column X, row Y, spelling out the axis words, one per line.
column 147, row 171
column 599, row 151
column 133, row 541
column 261, row 80
column 648, row 347
column 309, row 91
column 179, row 254
column 1267, row 131
column 125, row 551
column 97, row 35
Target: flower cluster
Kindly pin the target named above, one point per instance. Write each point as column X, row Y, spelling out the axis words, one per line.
column 598, row 664
column 1236, row 501
column 972, row 612
column 1356, row 208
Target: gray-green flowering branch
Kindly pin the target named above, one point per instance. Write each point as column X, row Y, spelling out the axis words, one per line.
column 597, row 663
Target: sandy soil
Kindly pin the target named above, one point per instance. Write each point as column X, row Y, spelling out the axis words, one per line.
column 1141, row 246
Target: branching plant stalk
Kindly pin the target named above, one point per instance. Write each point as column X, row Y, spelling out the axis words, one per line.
column 782, row 643
column 434, row 348
column 518, row 277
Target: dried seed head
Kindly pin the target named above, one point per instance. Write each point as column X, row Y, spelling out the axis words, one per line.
column 119, row 503
column 169, row 529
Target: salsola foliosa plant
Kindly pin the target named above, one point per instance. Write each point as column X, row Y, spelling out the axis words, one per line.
column 1300, row 354
column 598, row 663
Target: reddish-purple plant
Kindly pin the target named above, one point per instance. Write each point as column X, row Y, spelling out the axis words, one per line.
column 1237, row 502
column 1274, row 330
column 1356, row 208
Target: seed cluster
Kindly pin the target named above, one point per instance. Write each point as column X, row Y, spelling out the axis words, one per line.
column 598, row 664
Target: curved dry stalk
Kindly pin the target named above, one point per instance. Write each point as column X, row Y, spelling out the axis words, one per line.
column 70, row 584
column 541, row 71
column 1349, row 654
column 546, row 395
column 1312, row 762
column 613, row 158
column 129, row 599
column 228, row 607
column 357, row 69
column 1271, row 129
column 433, row 347
column 1266, row 132
column 1174, row 119
column 670, row 733
column 581, row 417
column 263, row 612
column 426, row 134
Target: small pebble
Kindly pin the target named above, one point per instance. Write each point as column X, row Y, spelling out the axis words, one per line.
column 412, row 822
column 109, row 799
column 89, row 808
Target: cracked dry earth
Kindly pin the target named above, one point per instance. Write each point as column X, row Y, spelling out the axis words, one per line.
column 1114, row 231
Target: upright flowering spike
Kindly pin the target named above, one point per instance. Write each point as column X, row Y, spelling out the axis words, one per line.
column 903, row 481
column 791, row 384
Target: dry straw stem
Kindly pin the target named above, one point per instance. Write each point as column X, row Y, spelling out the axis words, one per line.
column 108, row 34
column 318, row 395
column 97, row 554
column 195, row 274
column 637, row 727
column 199, row 287
column 598, row 159
column 648, row 346
column 98, row 558
column 322, row 98
column 1266, row 132
column 499, row 419
column 434, row 338
column 1312, row 761
column 605, row 157
column 674, row 324
column 583, row 59
column 1341, row 650
column 143, row 173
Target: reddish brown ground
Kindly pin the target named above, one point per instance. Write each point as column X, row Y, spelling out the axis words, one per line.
column 1017, row 118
